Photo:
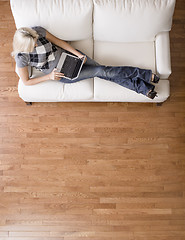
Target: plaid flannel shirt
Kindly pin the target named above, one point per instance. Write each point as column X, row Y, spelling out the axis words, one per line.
column 44, row 56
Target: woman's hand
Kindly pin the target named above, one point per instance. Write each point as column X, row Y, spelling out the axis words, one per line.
column 55, row 75
column 81, row 56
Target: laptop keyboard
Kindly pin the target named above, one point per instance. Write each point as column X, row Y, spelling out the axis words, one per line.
column 78, row 64
column 71, row 68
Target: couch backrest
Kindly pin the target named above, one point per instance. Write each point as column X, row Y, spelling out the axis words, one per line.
column 66, row 19
column 131, row 20
column 114, row 20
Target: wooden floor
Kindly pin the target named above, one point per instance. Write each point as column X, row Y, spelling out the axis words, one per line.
column 96, row 171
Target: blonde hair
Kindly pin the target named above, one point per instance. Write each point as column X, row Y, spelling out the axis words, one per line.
column 24, row 40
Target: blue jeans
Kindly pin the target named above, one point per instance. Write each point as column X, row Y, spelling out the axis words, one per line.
column 133, row 78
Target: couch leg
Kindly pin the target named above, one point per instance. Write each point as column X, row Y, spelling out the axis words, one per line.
column 159, row 104
column 28, row 103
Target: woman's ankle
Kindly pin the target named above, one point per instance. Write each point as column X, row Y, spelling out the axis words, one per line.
column 155, row 78
column 152, row 77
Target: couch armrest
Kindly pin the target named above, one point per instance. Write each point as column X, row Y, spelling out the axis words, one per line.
column 163, row 60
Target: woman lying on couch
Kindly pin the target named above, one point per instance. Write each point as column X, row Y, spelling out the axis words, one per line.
column 37, row 48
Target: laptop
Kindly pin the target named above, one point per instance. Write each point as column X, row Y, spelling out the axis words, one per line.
column 70, row 65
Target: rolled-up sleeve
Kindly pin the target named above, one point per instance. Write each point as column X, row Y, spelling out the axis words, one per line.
column 21, row 60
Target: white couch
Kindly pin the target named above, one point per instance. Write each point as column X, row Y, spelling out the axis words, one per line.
column 113, row 32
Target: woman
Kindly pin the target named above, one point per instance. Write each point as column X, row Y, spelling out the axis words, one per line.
column 38, row 48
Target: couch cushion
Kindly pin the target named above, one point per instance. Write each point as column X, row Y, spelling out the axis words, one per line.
column 131, row 20
column 129, row 54
column 86, row 46
column 110, row 92
column 67, row 19
column 55, row 91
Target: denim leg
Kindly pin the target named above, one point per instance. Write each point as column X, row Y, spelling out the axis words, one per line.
column 129, row 77
column 144, row 74
column 130, row 72
column 89, row 61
